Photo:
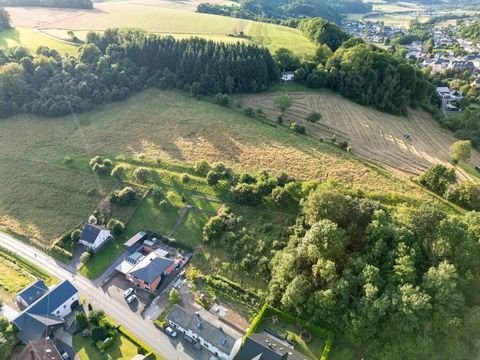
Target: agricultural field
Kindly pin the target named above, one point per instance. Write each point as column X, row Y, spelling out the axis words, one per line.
column 31, row 39
column 178, row 21
column 42, row 198
column 372, row 134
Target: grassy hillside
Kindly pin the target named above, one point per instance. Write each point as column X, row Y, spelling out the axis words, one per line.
column 43, row 198
column 31, row 39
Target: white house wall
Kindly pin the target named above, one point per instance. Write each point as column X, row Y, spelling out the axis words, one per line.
column 65, row 309
column 101, row 238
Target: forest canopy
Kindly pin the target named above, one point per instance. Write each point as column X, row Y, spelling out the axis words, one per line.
column 396, row 287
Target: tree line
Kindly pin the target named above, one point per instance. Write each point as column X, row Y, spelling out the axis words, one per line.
column 4, row 20
column 73, row 4
column 287, row 12
column 111, row 66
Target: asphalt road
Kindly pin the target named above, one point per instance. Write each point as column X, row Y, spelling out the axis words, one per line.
column 142, row 328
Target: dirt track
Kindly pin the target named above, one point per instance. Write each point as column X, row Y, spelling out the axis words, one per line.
column 372, row 134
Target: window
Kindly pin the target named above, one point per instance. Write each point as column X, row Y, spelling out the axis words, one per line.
column 64, row 306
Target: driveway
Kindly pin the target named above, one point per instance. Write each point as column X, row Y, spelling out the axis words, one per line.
column 117, row 285
column 143, row 329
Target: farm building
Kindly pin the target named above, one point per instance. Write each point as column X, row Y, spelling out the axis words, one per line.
column 47, row 313
column 215, row 339
column 31, row 293
column 94, row 236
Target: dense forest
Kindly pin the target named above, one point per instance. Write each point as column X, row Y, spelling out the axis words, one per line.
column 4, row 19
column 397, row 286
column 111, row 66
column 277, row 10
column 74, row 4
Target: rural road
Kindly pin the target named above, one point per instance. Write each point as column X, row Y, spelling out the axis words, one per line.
column 142, row 328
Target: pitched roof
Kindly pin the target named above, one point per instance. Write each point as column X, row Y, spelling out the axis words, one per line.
column 90, row 232
column 150, row 268
column 264, row 347
column 43, row 349
column 211, row 334
column 34, row 320
column 33, row 292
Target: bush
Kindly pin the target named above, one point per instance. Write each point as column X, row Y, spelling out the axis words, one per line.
column 280, row 196
column 343, row 145
column 248, row 112
column 99, row 334
column 81, row 320
column 184, row 178
column 67, row 160
column 202, row 167
column 174, row 296
column 245, row 194
column 95, row 316
column 438, row 178
column 101, row 166
column 313, row 117
column 222, row 99
column 126, row 196
column 118, row 171
column 297, row 128
column 213, row 178
column 75, row 235
column 280, row 119
column 85, row 257
column 116, row 226
column 158, row 194
column 141, row 174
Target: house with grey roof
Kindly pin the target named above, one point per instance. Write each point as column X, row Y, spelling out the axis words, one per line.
column 146, row 271
column 31, row 293
column 94, row 236
column 215, row 339
column 265, row 347
column 47, row 313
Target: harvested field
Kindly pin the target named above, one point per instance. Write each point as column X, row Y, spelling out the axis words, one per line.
column 165, row 17
column 372, row 134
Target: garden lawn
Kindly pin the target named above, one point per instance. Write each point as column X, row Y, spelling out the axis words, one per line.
column 122, row 348
column 31, row 40
column 12, row 277
column 313, row 349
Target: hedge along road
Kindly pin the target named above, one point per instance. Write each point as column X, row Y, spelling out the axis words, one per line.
column 141, row 328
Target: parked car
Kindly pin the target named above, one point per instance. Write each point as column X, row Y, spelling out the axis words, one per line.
column 170, row 332
column 131, row 298
column 127, row 293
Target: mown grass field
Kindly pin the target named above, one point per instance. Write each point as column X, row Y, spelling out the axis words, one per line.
column 31, row 40
column 43, row 198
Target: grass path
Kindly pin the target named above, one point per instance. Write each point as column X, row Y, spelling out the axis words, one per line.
column 32, row 39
